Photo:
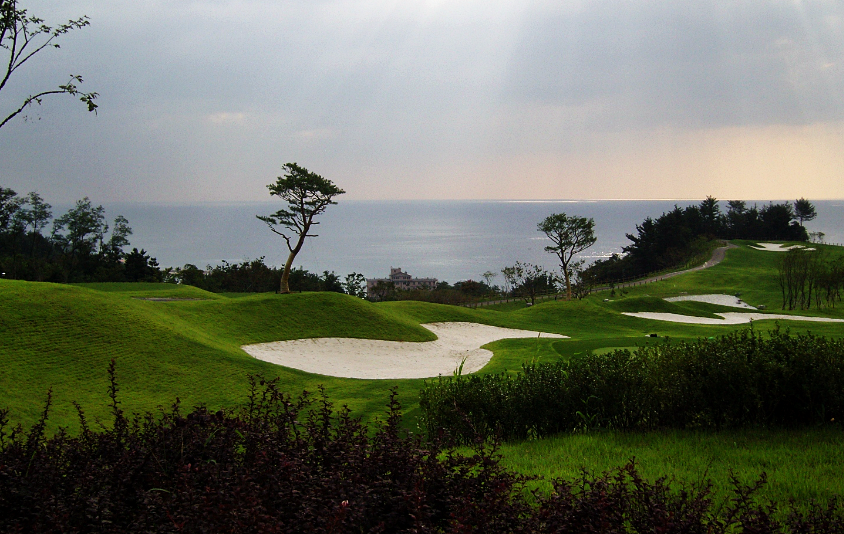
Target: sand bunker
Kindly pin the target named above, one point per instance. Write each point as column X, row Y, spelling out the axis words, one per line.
column 728, row 318
column 722, row 300
column 371, row 358
column 776, row 247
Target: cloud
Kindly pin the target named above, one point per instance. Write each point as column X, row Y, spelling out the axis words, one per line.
column 317, row 134
column 437, row 99
column 701, row 64
column 226, row 118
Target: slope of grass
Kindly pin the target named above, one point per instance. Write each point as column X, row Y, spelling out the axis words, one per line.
column 151, row 290
column 745, row 271
column 657, row 304
column 62, row 337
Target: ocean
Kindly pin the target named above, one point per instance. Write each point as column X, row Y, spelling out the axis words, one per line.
column 447, row 240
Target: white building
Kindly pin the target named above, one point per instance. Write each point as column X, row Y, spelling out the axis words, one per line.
column 401, row 280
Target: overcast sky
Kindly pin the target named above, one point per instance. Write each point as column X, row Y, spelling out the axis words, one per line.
column 443, row 99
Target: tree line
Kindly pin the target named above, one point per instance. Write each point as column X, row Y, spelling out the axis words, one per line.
column 81, row 247
column 808, row 277
column 684, row 234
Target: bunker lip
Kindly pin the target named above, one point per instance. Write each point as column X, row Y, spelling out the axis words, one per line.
column 458, row 343
column 729, row 318
column 714, row 298
column 777, row 247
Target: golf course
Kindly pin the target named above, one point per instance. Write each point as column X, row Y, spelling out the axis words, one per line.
column 173, row 342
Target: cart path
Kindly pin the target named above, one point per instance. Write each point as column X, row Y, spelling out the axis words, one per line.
column 718, row 256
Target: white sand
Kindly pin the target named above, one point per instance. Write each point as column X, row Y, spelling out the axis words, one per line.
column 371, row 358
column 776, row 247
column 728, row 318
column 723, row 300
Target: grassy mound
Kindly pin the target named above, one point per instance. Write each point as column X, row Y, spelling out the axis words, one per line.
column 146, row 290
column 63, row 337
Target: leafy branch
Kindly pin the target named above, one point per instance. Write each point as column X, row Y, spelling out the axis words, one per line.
column 23, row 36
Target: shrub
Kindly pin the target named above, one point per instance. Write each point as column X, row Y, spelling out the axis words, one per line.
column 737, row 380
column 287, row 464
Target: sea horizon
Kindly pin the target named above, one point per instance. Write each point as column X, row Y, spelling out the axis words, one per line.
column 450, row 240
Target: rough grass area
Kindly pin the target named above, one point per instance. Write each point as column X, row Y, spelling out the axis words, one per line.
column 801, row 464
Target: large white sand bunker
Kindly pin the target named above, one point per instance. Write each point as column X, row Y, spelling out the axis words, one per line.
column 720, row 299
column 372, row 358
column 727, row 318
column 776, row 247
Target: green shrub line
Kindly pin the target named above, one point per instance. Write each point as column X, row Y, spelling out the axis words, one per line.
column 737, row 380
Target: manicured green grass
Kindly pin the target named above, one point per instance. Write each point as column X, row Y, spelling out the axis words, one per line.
column 143, row 290
column 801, row 464
column 63, row 337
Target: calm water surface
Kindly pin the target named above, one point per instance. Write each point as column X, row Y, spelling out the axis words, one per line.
column 448, row 240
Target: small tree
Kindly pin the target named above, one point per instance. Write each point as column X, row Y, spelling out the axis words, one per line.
column 529, row 281
column 10, row 204
column 570, row 236
column 355, row 285
column 804, row 210
column 22, row 36
column 307, row 195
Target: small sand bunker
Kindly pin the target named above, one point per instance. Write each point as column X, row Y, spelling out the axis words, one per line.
column 776, row 247
column 728, row 318
column 374, row 359
column 720, row 299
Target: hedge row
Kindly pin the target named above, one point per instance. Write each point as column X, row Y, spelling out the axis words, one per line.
column 741, row 379
column 296, row 465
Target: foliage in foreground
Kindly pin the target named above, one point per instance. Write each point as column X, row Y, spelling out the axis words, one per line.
column 295, row 465
column 737, row 380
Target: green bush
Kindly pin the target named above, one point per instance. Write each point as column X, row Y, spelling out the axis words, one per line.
column 737, row 380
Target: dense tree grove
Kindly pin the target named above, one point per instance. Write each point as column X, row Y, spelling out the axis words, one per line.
column 683, row 234
column 81, row 247
column 251, row 276
column 529, row 281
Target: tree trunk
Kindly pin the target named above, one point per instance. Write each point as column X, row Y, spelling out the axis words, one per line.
column 285, row 274
column 568, row 284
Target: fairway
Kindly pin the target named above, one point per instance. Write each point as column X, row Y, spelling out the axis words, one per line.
column 187, row 342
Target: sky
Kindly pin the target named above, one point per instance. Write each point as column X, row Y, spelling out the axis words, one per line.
column 206, row 100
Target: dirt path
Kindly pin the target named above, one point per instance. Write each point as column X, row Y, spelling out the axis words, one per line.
column 717, row 257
